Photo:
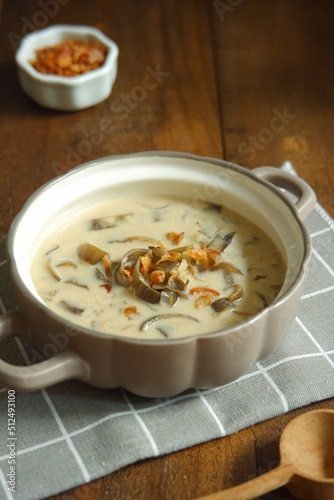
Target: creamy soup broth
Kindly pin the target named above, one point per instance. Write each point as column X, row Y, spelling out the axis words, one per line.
column 157, row 267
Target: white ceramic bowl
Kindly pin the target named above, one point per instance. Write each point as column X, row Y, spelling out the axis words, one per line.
column 154, row 367
column 62, row 92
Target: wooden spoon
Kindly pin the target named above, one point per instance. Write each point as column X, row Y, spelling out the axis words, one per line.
column 307, row 462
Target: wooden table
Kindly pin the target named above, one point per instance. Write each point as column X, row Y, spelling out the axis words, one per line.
column 247, row 81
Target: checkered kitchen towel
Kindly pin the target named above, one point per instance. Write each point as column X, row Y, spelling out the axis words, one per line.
column 73, row 433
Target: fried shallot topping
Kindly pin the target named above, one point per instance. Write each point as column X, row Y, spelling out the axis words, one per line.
column 70, row 57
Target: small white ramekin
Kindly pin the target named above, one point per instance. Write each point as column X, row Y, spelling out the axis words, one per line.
column 62, row 92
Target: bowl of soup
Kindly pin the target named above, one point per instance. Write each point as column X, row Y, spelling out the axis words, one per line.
column 157, row 272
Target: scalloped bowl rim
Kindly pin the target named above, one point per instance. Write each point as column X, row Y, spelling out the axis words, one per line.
column 262, row 315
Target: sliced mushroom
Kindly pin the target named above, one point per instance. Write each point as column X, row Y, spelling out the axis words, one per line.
column 221, row 241
column 90, row 253
column 177, row 283
column 157, row 252
column 236, row 294
column 264, row 301
column 67, row 263
column 171, row 296
column 107, row 222
column 256, row 274
column 167, row 266
column 208, row 205
column 74, row 282
column 222, row 304
column 136, row 238
column 144, row 291
column 184, row 248
column 52, row 250
column 163, row 332
column 167, row 289
column 53, row 271
column 227, row 240
column 144, row 326
column 69, row 307
column 227, row 267
column 103, row 277
column 128, row 260
column 228, row 277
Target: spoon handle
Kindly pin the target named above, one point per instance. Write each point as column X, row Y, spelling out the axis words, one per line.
column 260, row 485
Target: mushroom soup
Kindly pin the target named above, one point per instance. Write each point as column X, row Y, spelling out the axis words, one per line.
column 158, row 267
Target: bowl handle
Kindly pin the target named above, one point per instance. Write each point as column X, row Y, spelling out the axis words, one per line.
column 295, row 185
column 64, row 366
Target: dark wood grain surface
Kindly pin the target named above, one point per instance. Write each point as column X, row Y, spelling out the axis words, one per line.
column 250, row 81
